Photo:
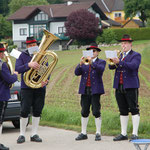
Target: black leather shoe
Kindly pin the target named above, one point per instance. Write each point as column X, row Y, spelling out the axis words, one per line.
column 35, row 138
column 81, row 136
column 134, row 137
column 120, row 138
column 97, row 137
column 21, row 139
column 2, row 147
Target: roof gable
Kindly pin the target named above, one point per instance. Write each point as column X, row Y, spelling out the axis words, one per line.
column 55, row 10
column 138, row 22
column 106, row 5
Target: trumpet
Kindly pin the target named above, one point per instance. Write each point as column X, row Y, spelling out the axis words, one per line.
column 86, row 61
column 110, row 61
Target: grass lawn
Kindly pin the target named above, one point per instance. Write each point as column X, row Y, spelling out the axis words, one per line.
column 62, row 106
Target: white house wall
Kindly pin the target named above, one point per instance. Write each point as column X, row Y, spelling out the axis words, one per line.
column 16, row 32
column 54, row 26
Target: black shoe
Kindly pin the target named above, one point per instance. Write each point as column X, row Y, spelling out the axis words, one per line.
column 81, row 136
column 21, row 139
column 2, row 147
column 120, row 138
column 97, row 137
column 35, row 138
column 134, row 137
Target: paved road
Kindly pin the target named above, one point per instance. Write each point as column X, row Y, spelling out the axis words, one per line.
column 59, row 139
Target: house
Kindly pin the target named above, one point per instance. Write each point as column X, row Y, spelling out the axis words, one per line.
column 133, row 23
column 30, row 20
column 110, row 24
column 113, row 9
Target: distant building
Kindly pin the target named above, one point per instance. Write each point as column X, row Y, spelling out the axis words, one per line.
column 113, row 9
column 30, row 20
column 133, row 23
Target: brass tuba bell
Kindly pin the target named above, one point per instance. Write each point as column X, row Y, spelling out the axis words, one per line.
column 33, row 78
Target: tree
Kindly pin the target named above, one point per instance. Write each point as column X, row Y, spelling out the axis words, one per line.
column 6, row 28
column 82, row 26
column 4, row 9
column 134, row 7
column 16, row 4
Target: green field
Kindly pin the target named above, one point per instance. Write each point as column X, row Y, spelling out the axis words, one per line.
column 62, row 106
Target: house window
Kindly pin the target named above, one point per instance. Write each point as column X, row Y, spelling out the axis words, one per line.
column 41, row 16
column 61, row 30
column 117, row 15
column 23, row 31
column 23, row 45
column 37, row 30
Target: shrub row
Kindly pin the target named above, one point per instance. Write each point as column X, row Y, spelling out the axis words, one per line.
column 112, row 35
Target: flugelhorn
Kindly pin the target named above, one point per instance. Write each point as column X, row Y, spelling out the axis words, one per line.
column 86, row 61
column 110, row 61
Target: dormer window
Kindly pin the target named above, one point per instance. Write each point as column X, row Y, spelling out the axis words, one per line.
column 41, row 16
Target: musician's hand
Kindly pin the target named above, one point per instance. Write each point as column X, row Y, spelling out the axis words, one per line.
column 81, row 61
column 115, row 60
column 44, row 83
column 15, row 72
column 34, row 65
column 89, row 58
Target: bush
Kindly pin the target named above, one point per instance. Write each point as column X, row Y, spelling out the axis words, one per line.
column 107, row 36
column 9, row 41
column 11, row 47
column 135, row 33
column 110, row 36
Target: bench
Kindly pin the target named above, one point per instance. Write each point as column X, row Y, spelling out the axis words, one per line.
column 139, row 142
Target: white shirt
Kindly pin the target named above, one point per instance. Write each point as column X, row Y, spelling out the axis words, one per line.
column 93, row 60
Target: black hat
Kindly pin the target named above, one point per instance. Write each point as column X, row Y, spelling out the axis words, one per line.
column 2, row 48
column 125, row 37
column 93, row 46
column 30, row 40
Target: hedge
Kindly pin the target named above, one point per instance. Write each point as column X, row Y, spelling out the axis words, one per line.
column 135, row 33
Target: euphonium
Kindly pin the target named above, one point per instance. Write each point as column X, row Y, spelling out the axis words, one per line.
column 33, row 78
column 8, row 60
column 109, row 60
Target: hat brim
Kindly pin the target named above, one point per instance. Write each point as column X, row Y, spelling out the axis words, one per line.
column 2, row 50
column 125, row 40
column 98, row 49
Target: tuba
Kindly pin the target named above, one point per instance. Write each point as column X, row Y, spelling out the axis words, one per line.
column 33, row 78
column 8, row 60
